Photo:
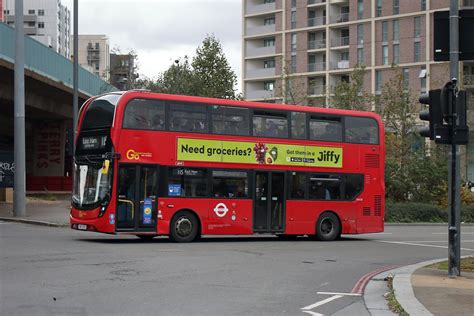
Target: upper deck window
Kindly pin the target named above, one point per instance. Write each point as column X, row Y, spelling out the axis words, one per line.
column 100, row 113
column 145, row 114
column 270, row 125
column 230, row 120
column 362, row 130
column 325, row 128
column 185, row 117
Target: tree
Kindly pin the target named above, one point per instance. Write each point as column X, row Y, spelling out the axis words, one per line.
column 177, row 79
column 351, row 95
column 212, row 75
column 412, row 170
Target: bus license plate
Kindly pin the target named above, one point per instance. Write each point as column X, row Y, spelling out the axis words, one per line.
column 82, row 227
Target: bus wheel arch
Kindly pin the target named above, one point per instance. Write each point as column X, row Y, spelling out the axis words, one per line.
column 328, row 226
column 185, row 226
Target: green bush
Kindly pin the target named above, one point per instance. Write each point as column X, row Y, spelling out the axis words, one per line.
column 423, row 213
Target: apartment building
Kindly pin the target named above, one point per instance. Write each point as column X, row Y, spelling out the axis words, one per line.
column 47, row 21
column 304, row 47
column 123, row 71
column 1, row 10
column 94, row 54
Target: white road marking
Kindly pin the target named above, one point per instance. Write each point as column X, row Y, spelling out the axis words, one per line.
column 313, row 313
column 342, row 294
column 329, row 299
column 416, row 244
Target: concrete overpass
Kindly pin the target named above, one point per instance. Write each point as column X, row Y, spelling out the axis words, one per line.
column 48, row 100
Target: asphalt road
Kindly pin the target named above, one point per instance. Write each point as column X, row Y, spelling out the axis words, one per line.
column 57, row 271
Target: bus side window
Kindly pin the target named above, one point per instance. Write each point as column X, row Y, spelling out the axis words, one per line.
column 145, row 114
column 362, row 130
column 325, row 129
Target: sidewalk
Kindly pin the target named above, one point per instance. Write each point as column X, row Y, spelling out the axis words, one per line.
column 40, row 212
column 419, row 290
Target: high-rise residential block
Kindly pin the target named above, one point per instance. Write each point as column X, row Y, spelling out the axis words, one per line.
column 47, row 21
column 94, row 54
column 295, row 51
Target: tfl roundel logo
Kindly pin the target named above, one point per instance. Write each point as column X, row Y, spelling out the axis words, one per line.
column 221, row 209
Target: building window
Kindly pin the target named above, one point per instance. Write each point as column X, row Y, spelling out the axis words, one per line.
column 31, row 11
column 344, row 56
column 417, row 27
column 423, row 5
column 31, row 24
column 417, row 51
column 41, row 25
column 41, row 12
column 396, row 7
column 360, row 56
column 270, row 63
column 268, row 1
column 96, row 45
column 293, row 64
column 6, row 12
column 360, row 9
column 385, row 55
column 384, row 31
column 269, row 42
column 379, row 8
column 293, row 3
column 360, row 34
column 423, row 78
column 406, row 78
column 396, row 54
column 378, row 81
column 293, row 19
column 396, row 30
column 269, row 21
column 268, row 85
column 293, row 42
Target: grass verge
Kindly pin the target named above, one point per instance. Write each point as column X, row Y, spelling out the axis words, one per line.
column 392, row 300
column 467, row 265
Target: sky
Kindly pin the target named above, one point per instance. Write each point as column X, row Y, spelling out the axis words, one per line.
column 161, row 31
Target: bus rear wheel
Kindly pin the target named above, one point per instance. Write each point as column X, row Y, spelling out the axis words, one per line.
column 328, row 227
column 184, row 227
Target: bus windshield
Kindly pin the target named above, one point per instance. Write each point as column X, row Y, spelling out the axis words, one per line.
column 92, row 186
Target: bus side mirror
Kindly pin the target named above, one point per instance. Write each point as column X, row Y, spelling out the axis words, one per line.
column 105, row 166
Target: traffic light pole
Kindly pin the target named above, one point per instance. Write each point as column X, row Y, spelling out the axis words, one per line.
column 454, row 179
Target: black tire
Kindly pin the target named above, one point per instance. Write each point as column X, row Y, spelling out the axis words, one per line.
column 146, row 238
column 328, row 227
column 184, row 227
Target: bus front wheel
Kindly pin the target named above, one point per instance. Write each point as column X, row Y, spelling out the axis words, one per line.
column 184, row 227
column 328, row 227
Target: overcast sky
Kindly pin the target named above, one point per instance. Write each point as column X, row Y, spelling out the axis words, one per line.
column 161, row 31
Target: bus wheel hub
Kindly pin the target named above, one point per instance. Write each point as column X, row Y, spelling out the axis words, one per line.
column 183, row 226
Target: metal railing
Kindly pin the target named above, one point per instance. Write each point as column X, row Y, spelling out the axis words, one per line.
column 321, row 66
column 317, row 44
column 339, row 18
column 317, row 21
column 340, row 41
column 317, row 89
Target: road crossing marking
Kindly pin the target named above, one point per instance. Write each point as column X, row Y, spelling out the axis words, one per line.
column 327, row 300
column 313, row 313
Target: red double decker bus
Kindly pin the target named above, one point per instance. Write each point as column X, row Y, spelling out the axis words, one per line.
column 153, row 164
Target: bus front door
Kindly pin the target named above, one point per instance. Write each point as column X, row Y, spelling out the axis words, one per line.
column 269, row 203
column 137, row 198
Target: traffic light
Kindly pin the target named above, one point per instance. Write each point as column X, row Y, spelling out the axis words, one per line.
column 433, row 114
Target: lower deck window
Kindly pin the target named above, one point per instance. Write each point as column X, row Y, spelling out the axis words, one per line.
column 187, row 182
column 230, row 184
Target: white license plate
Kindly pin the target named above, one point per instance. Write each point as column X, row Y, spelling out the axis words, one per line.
column 82, row 227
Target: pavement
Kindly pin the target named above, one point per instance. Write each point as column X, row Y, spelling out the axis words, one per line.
column 420, row 290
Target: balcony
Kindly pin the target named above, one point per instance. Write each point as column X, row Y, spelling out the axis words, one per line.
column 317, row 44
column 340, row 41
column 310, row 2
column 260, row 73
column 342, row 64
column 317, row 21
column 339, row 18
column 259, row 51
column 258, row 30
column 339, row 2
column 317, row 90
column 30, row 30
column 260, row 94
column 259, row 8
column 312, row 67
